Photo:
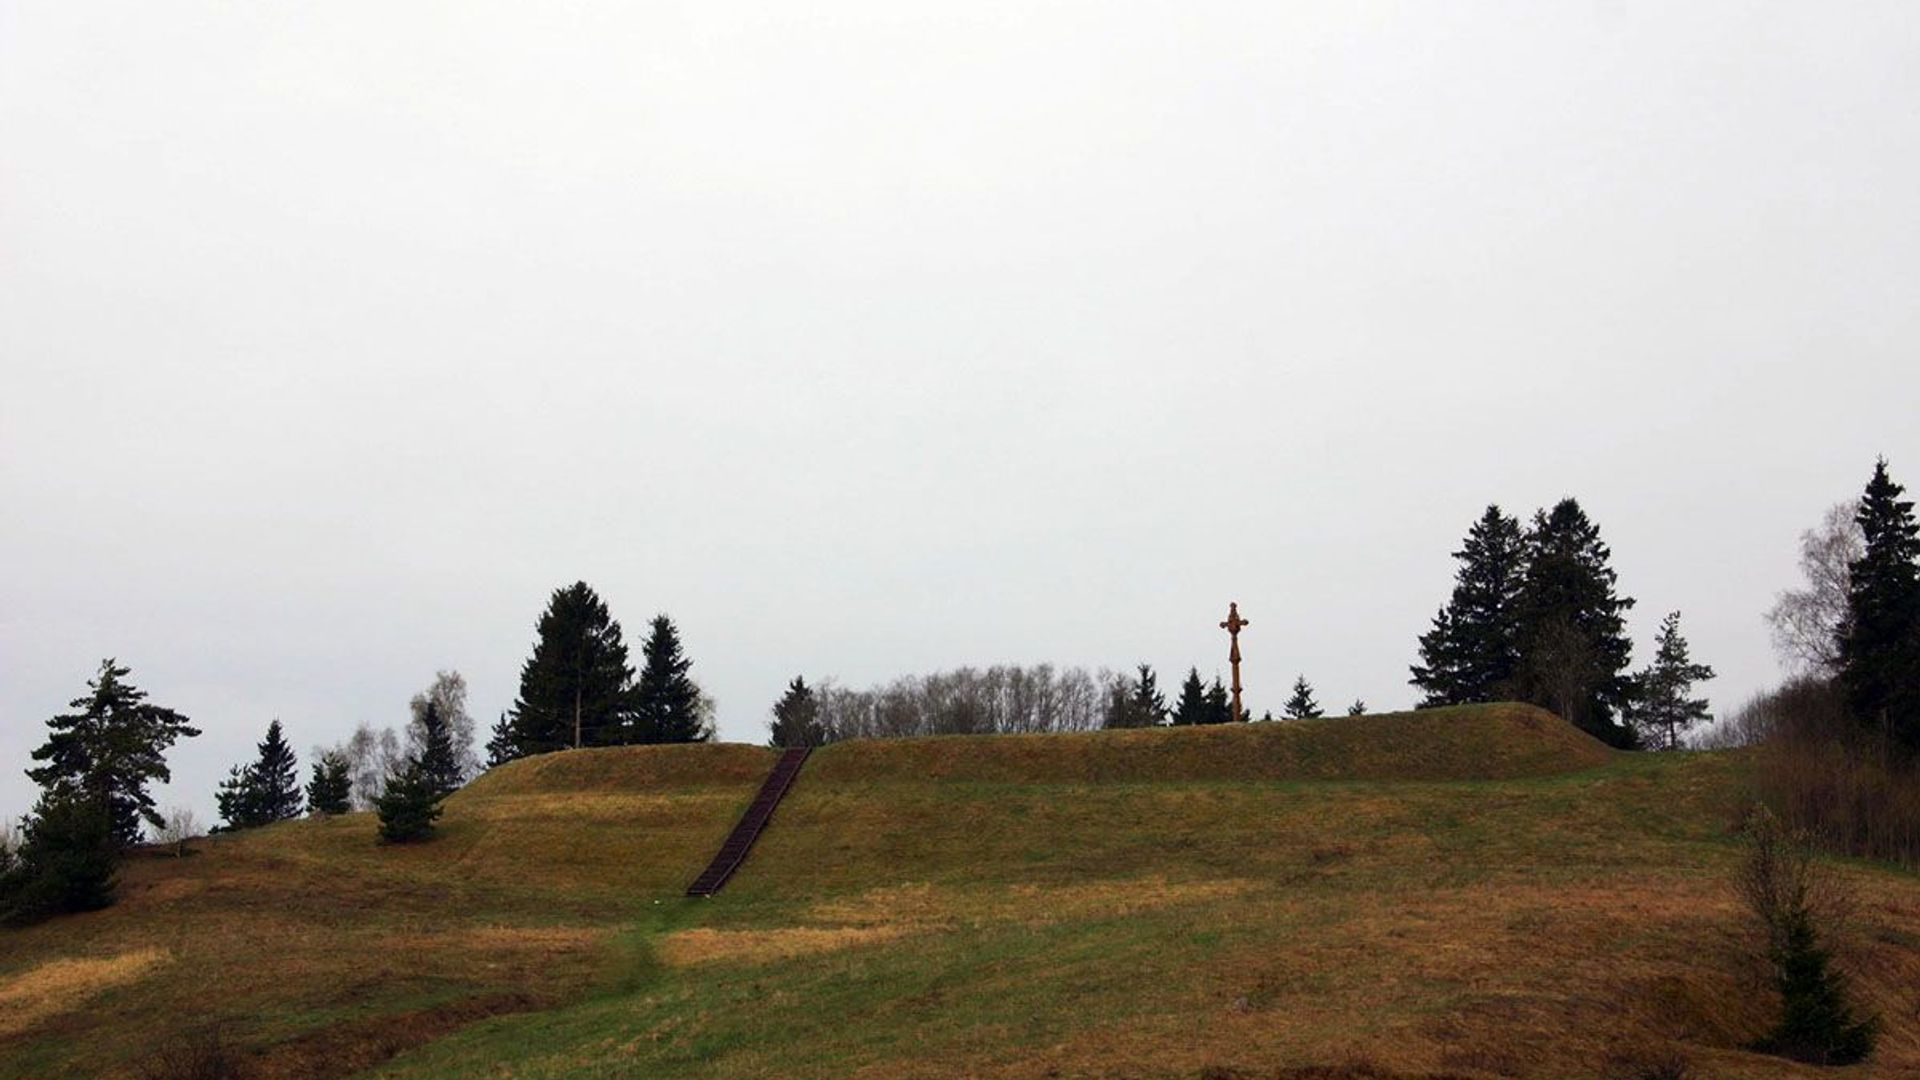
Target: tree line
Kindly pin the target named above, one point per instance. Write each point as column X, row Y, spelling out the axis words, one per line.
column 1536, row 616
column 1006, row 699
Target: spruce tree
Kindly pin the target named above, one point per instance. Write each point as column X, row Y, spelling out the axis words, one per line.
column 574, row 689
column 1818, row 1024
column 278, row 776
column 1572, row 630
column 66, row 860
column 1665, row 709
column 1301, row 706
column 1358, row 708
column 502, row 747
column 439, row 765
column 111, row 749
column 1192, row 706
column 264, row 791
column 1473, row 649
column 1880, row 645
column 666, row 703
column 1149, row 705
column 409, row 806
column 1219, row 705
column 331, row 788
column 238, row 800
column 1137, row 702
column 796, row 717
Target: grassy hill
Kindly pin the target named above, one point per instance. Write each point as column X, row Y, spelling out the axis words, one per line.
column 1479, row 892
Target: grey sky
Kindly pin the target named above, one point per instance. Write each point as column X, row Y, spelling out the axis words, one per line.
column 868, row 339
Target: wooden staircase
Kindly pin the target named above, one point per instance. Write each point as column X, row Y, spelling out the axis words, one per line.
column 734, row 851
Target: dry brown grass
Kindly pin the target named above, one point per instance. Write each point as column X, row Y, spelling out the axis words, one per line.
column 1472, row 742
column 705, row 945
column 884, row 915
column 983, row 920
column 46, row 990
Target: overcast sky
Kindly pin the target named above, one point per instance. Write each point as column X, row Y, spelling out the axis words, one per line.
column 874, row 338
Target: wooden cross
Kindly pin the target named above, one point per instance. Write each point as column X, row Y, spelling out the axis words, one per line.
column 1232, row 627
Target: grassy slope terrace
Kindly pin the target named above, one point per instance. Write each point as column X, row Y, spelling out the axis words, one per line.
column 1477, row 892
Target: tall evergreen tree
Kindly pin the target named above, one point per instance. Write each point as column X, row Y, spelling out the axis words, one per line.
column 111, row 749
column 574, row 689
column 1301, row 706
column 1219, row 705
column 439, row 764
column 1664, row 707
column 1473, row 649
column 1191, row 708
column 1572, row 629
column 264, row 791
column 1880, row 644
column 796, row 717
column 666, row 703
column 331, row 789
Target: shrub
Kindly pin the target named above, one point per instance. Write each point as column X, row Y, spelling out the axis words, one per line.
column 1826, row 777
column 197, row 1055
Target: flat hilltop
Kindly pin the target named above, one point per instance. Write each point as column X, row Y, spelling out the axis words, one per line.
column 1477, row 892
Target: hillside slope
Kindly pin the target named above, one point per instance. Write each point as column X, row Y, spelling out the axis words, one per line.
column 1471, row 893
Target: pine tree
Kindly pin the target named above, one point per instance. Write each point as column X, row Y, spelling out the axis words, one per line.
column 666, row 703
column 1880, row 648
column 66, row 860
column 329, row 792
column 1192, row 706
column 1358, row 708
column 1136, row 703
column 438, row 764
column 1664, row 710
column 574, row 689
column 501, row 747
column 1473, row 650
column 1572, row 631
column 409, row 806
column 1219, row 705
column 1301, row 705
column 111, row 749
column 796, row 717
column 264, row 791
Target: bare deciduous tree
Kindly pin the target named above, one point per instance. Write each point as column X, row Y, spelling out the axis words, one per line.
column 449, row 693
column 1807, row 622
column 179, row 826
column 1000, row 700
column 372, row 755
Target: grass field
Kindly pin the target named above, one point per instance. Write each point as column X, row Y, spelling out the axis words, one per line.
column 1460, row 893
